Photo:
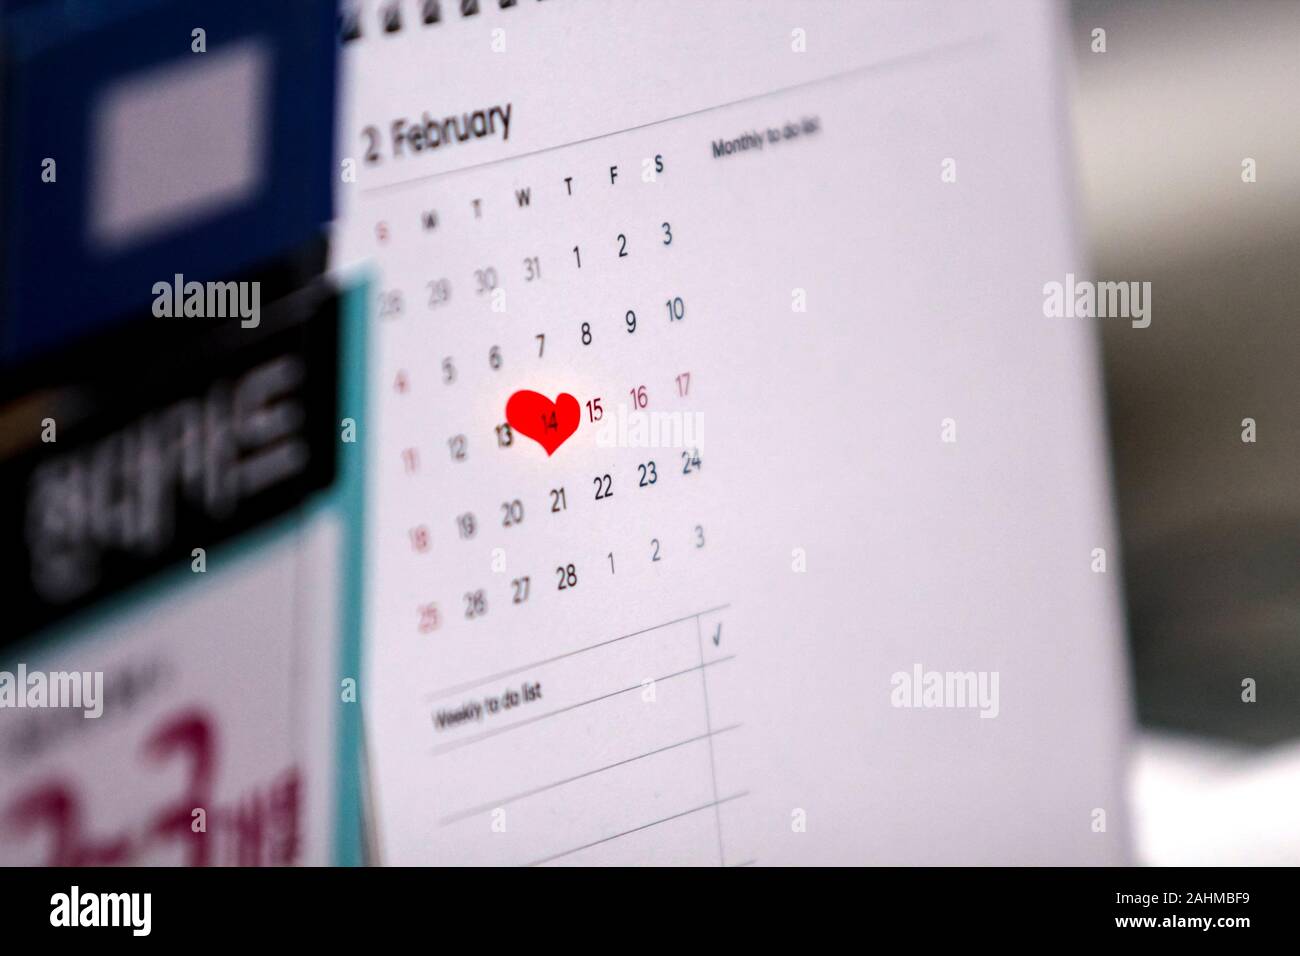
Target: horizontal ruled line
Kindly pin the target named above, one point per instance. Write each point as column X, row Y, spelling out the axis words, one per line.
column 495, row 731
column 469, row 685
column 914, row 56
column 492, row 805
column 644, row 826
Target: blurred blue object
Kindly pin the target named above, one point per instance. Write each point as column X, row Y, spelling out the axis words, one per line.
column 138, row 132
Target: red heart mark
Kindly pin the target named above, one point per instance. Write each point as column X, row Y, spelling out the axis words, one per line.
column 545, row 422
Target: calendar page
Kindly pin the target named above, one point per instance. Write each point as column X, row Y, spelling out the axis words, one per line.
column 732, row 498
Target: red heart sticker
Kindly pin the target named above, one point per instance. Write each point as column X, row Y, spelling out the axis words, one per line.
column 545, row 422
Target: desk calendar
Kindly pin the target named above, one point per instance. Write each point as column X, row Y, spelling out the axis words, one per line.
column 766, row 323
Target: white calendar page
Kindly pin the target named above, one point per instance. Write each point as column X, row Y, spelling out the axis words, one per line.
column 684, row 649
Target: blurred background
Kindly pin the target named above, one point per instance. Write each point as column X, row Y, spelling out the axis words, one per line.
column 1184, row 94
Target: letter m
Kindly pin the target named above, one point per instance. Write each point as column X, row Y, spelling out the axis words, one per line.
column 1115, row 295
column 223, row 299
